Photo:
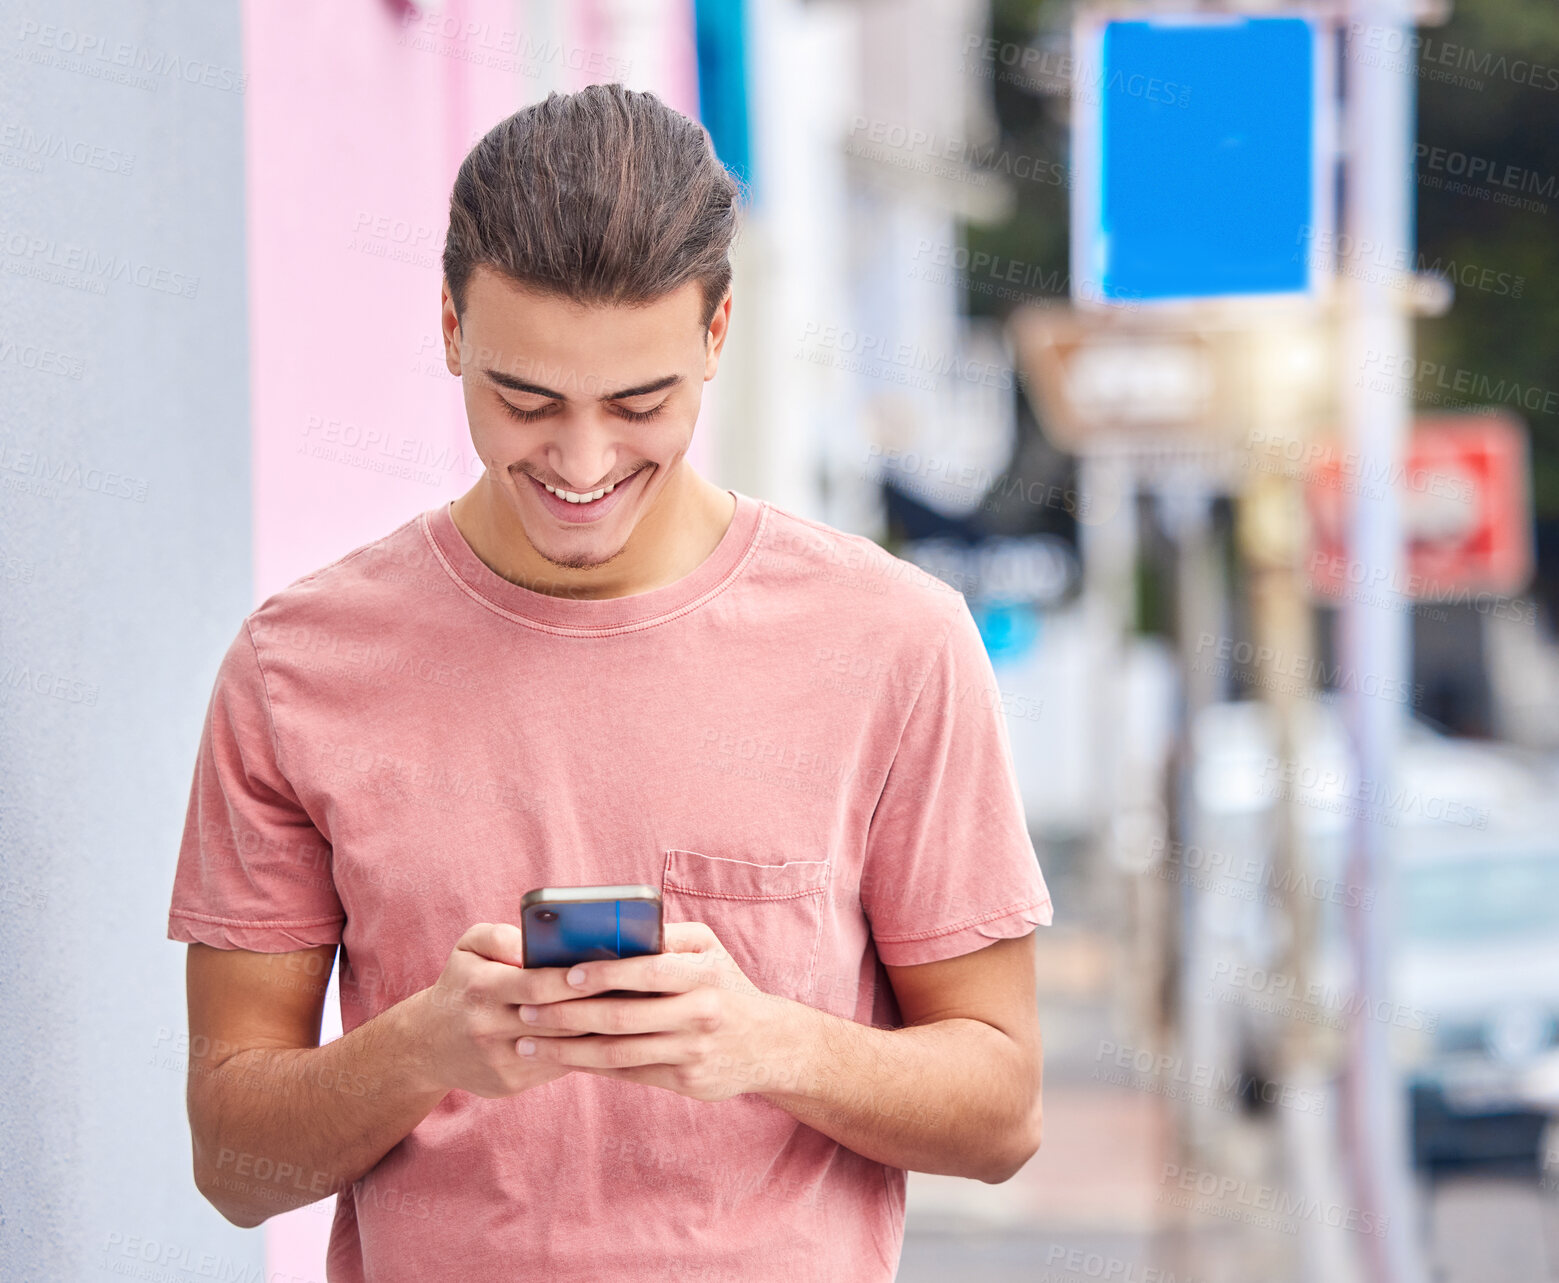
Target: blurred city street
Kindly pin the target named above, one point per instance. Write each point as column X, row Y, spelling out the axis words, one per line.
column 1103, row 1199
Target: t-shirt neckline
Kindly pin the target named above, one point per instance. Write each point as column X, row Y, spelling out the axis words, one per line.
column 589, row 615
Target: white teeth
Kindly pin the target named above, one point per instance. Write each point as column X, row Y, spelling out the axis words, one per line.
column 571, row 497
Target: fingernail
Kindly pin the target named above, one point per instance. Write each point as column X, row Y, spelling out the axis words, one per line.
column 576, row 976
column 527, row 1046
column 528, row 1013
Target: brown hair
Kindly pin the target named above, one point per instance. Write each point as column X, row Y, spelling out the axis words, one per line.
column 606, row 195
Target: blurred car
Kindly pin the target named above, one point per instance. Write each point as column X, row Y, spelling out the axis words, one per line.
column 1478, row 951
column 1473, row 997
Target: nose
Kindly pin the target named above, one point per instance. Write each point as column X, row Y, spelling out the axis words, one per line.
column 585, row 455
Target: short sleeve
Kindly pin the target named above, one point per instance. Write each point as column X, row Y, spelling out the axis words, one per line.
column 253, row 870
column 950, row 867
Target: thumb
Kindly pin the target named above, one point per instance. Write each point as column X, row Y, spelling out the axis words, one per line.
column 496, row 941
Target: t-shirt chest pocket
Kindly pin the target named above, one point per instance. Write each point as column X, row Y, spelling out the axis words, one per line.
column 768, row 915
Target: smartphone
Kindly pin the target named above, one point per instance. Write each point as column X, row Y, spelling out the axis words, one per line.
column 564, row 925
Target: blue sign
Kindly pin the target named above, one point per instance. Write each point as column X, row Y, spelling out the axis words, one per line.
column 1201, row 146
column 720, row 34
column 1009, row 629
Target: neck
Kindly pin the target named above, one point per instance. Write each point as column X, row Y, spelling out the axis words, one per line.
column 673, row 537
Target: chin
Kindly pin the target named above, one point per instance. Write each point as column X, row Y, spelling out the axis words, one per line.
column 578, row 561
column 577, row 552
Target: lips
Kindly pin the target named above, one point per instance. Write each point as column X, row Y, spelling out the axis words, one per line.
column 582, row 513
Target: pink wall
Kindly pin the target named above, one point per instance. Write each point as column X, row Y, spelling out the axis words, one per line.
column 359, row 113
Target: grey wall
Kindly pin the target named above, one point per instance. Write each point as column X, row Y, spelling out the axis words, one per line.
column 124, row 568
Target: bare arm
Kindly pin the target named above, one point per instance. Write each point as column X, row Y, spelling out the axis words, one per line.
column 277, row 1121
column 956, row 1090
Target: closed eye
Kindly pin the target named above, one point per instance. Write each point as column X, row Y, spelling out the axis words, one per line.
column 526, row 416
column 638, row 416
column 622, row 411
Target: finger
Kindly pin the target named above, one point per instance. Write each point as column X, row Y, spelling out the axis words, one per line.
column 502, row 944
column 674, row 972
column 605, row 1052
column 539, row 985
column 527, row 1032
column 651, row 975
column 614, row 1015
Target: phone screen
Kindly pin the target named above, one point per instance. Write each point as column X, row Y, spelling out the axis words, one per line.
column 559, row 933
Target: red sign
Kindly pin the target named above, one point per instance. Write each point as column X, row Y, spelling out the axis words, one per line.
column 1465, row 511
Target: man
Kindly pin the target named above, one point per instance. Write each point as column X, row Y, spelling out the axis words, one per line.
column 595, row 667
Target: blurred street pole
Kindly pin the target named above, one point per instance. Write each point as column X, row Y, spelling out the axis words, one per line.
column 1186, row 510
column 1272, row 542
column 1271, row 529
column 1108, row 553
column 1375, row 640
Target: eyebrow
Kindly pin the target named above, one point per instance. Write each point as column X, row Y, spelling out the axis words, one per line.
column 520, row 385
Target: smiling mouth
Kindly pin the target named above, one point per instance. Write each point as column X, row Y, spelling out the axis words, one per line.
column 588, row 498
column 572, row 496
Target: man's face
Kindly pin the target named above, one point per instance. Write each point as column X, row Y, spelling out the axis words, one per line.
column 579, row 398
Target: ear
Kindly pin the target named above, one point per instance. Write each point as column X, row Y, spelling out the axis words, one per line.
column 714, row 341
column 449, row 326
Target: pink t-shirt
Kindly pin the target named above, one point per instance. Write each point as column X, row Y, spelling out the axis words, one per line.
column 800, row 742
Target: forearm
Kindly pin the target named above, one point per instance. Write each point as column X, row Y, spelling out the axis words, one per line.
column 956, row 1096
column 278, row 1128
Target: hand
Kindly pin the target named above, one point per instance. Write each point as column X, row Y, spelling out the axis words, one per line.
column 707, row 1031
column 466, row 1025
